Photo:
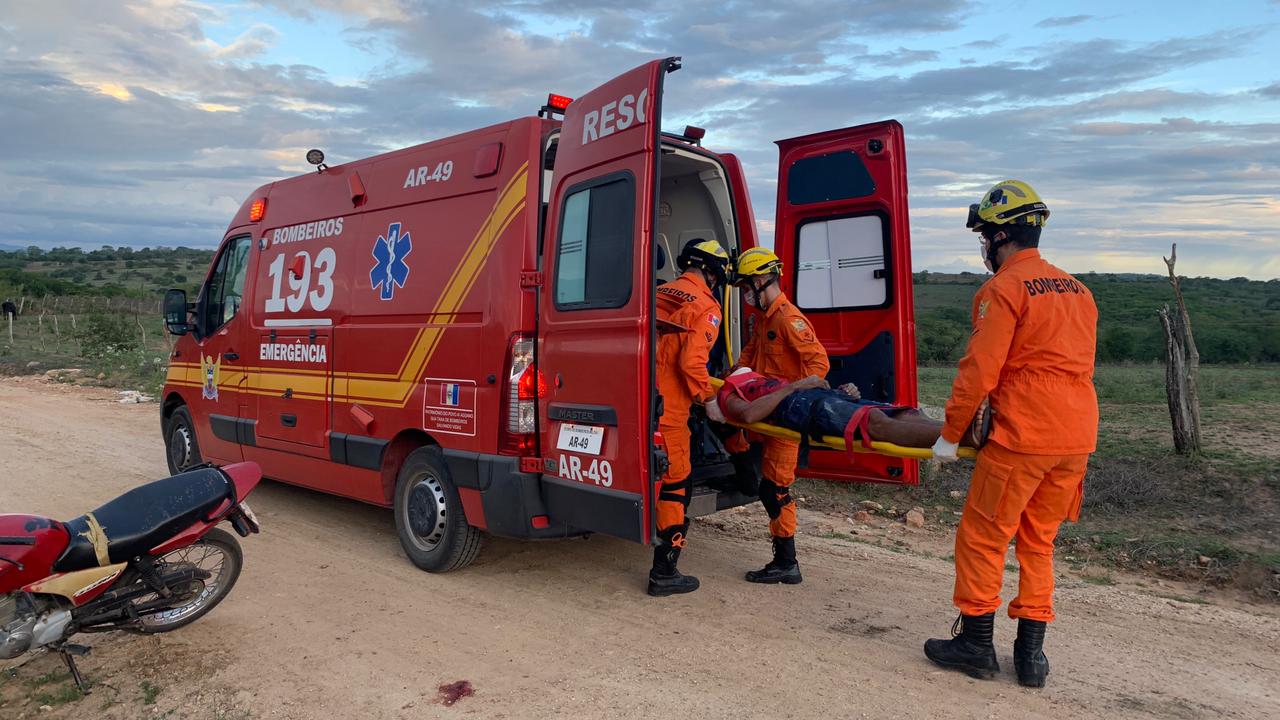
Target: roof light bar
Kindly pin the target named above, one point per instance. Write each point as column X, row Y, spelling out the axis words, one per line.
column 556, row 105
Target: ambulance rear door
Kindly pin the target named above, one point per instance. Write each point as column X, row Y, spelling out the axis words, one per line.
column 842, row 233
column 595, row 316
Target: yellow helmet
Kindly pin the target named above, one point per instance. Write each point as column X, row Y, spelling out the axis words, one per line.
column 756, row 262
column 706, row 255
column 1008, row 202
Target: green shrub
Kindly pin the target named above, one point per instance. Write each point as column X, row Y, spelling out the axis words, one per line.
column 107, row 335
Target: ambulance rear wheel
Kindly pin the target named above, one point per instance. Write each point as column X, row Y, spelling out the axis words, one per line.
column 432, row 527
column 181, row 449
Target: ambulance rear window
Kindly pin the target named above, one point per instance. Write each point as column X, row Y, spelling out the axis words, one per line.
column 834, row 176
column 593, row 257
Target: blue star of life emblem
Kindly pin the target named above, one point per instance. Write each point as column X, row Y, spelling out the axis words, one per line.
column 390, row 270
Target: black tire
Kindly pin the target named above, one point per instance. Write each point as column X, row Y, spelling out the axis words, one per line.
column 181, row 449
column 433, row 529
column 206, row 600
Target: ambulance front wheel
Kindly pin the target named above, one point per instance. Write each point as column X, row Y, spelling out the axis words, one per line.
column 181, row 449
column 432, row 527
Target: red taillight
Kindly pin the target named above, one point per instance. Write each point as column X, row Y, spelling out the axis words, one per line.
column 540, row 522
column 525, row 389
column 559, row 102
column 257, row 209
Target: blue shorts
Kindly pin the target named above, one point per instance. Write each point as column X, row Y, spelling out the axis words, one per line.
column 819, row 412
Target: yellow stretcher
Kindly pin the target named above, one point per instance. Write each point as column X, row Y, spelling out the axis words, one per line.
column 837, row 443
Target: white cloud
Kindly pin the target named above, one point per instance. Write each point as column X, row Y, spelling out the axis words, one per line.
column 136, row 109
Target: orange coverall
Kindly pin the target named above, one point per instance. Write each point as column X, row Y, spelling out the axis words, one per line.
column 682, row 380
column 1032, row 354
column 782, row 346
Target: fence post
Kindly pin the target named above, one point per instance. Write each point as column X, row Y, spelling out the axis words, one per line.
column 10, row 316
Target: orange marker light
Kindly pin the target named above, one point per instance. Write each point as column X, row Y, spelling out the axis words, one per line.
column 257, row 209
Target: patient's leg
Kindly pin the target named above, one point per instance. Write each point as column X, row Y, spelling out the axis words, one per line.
column 916, row 430
column 908, row 428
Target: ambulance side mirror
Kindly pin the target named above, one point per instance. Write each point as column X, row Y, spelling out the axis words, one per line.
column 176, row 309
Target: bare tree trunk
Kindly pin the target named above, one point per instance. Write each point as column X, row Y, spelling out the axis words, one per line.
column 1182, row 368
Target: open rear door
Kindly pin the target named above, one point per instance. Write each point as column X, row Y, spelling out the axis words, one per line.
column 595, row 339
column 843, row 236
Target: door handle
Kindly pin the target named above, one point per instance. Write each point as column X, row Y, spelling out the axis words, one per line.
column 230, row 356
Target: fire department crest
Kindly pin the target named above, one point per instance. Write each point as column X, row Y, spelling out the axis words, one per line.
column 210, row 369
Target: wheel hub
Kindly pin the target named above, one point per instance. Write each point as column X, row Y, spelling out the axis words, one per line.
column 426, row 510
column 180, row 446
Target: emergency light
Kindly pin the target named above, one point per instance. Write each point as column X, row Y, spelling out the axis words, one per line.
column 257, row 209
column 556, row 104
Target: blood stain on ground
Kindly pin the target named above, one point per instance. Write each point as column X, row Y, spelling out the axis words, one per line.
column 453, row 692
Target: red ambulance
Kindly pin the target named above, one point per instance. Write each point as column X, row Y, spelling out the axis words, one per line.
column 464, row 330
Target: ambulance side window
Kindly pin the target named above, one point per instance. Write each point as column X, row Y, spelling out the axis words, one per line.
column 224, row 294
column 595, row 246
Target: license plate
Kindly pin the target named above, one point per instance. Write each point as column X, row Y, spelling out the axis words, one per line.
column 583, row 439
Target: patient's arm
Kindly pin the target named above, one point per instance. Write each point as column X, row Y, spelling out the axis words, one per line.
column 762, row 407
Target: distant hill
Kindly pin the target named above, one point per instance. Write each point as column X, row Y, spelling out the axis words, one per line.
column 107, row 271
column 1235, row 321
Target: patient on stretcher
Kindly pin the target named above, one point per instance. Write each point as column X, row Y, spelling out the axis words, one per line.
column 812, row 408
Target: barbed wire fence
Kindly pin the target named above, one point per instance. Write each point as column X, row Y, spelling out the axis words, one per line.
column 58, row 318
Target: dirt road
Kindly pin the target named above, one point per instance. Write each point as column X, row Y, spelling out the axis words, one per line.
column 329, row 620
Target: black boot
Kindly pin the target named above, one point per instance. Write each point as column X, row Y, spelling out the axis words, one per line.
column 664, row 578
column 783, row 568
column 1028, row 653
column 970, row 649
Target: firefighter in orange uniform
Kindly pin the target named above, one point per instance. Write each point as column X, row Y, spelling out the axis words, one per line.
column 1032, row 355
column 688, row 304
column 782, row 346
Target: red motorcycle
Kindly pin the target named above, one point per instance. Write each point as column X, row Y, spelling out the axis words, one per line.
column 150, row 561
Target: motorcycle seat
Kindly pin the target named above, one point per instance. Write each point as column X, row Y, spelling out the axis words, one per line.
column 145, row 517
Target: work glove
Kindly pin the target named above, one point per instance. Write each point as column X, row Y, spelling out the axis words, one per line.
column 713, row 410
column 944, row 451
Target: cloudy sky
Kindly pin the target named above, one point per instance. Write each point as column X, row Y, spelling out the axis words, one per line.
column 147, row 122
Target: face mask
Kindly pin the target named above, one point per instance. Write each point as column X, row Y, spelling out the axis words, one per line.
column 985, row 254
column 749, row 297
column 989, row 248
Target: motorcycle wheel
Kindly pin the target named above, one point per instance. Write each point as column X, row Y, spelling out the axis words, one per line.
column 219, row 553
